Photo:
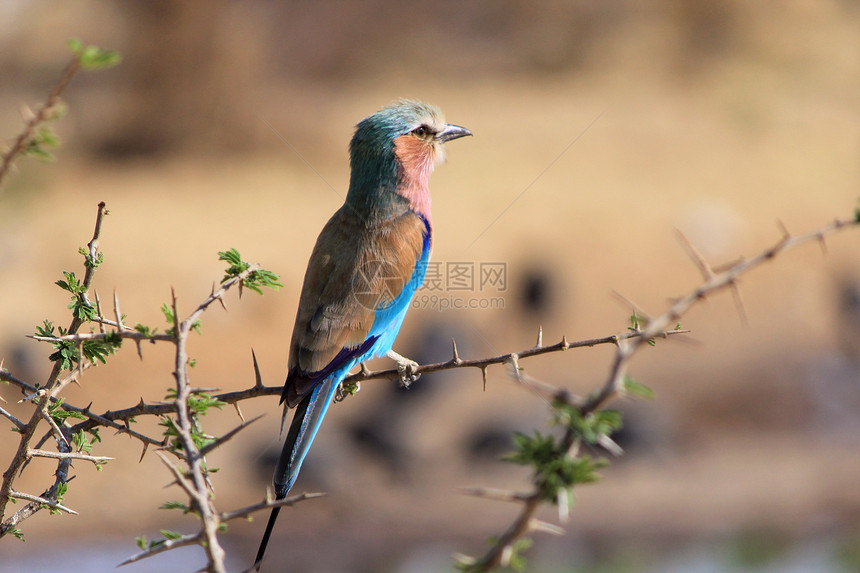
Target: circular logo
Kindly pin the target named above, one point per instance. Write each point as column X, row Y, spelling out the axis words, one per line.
column 376, row 284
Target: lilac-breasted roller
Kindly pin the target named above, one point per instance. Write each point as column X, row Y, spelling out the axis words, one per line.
column 368, row 262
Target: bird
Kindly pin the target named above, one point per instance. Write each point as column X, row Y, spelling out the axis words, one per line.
column 366, row 265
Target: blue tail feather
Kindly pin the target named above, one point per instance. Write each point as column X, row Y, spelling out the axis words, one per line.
column 303, row 429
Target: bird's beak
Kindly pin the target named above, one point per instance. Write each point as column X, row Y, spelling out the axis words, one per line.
column 452, row 132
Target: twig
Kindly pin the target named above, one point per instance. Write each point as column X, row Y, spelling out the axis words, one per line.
column 42, row 500
column 18, row 423
column 223, row 439
column 267, row 504
column 55, row 427
column 163, row 546
column 495, row 494
column 67, row 455
column 177, row 475
column 41, row 116
column 81, row 336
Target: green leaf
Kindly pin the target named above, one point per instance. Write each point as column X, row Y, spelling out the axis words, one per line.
column 58, row 111
column 141, row 542
column 93, row 57
column 636, row 322
column 91, row 262
column 35, row 150
column 59, row 415
column 82, row 309
column 71, row 284
column 200, row 439
column 634, row 388
column 565, row 472
column 169, row 534
column 591, row 426
column 39, row 142
column 94, row 262
column 200, row 403
column 62, row 488
column 584, row 469
column 99, row 350
column 145, row 330
column 46, row 330
column 80, row 440
column 517, row 561
column 465, row 564
column 170, row 317
column 168, row 313
column 233, row 257
column 17, row 533
column 256, row 281
column 176, row 505
column 47, row 137
column 534, row 450
column 170, row 431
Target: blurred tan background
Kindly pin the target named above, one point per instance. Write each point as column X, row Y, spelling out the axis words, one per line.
column 600, row 128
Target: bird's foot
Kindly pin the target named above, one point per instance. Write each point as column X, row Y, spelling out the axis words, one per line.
column 406, row 368
column 347, row 389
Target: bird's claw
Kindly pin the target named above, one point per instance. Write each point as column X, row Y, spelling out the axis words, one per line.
column 406, row 369
column 407, row 372
column 346, row 390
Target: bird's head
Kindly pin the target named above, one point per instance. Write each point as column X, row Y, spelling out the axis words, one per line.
column 397, row 148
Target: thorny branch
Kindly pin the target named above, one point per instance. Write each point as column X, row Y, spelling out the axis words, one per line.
column 35, row 136
column 44, row 114
column 157, row 409
column 194, row 479
column 502, row 549
column 44, row 395
column 198, row 490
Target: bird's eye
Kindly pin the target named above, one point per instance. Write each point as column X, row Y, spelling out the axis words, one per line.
column 421, row 131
